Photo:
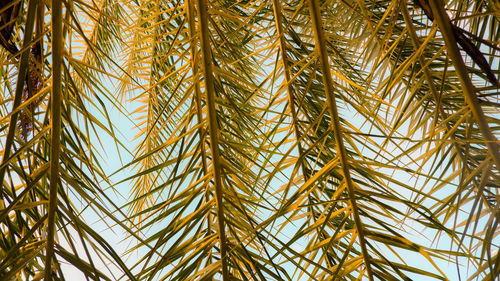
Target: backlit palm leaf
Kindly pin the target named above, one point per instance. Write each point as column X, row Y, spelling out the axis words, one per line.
column 276, row 140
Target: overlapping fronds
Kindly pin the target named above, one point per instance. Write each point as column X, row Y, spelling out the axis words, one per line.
column 50, row 170
column 346, row 227
column 197, row 190
column 275, row 140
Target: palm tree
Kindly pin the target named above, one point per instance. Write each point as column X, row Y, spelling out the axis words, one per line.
column 276, row 140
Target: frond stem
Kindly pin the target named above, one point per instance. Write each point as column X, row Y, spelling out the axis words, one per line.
column 319, row 36
column 278, row 17
column 190, row 9
column 432, row 87
column 287, row 73
column 444, row 24
column 21, row 79
column 197, row 90
column 213, row 131
column 55, row 120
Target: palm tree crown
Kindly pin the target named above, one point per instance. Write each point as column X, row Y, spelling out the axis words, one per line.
column 275, row 140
